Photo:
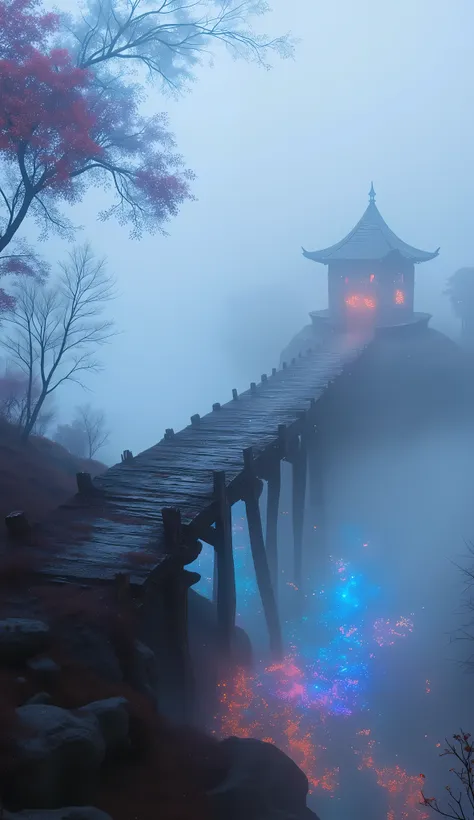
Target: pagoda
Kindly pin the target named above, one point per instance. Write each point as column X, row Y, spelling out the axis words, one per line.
column 371, row 274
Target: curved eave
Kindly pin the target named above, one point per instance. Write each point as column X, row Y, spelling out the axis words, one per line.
column 325, row 257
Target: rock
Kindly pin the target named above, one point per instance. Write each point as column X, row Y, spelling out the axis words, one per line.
column 113, row 719
column 144, row 671
column 43, row 698
column 90, row 648
column 45, row 667
column 20, row 638
column 71, row 813
column 262, row 783
column 60, row 754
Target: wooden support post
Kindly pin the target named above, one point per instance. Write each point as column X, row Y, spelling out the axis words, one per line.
column 235, row 395
column 316, row 501
column 299, row 464
column 175, row 601
column 17, row 524
column 273, row 503
column 225, row 594
column 84, row 484
column 127, row 456
column 259, row 555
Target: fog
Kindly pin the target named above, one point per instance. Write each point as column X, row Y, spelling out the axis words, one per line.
column 284, row 158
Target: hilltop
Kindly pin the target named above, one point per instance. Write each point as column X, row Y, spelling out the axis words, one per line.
column 37, row 476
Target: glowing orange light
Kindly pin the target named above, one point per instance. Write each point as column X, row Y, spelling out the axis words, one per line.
column 356, row 301
column 372, row 277
column 399, row 297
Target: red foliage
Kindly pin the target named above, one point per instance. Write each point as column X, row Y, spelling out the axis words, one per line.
column 23, row 26
column 59, row 124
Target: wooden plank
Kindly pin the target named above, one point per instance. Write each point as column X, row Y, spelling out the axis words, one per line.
column 178, row 471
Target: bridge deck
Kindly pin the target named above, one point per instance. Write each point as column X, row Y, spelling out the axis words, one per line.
column 121, row 529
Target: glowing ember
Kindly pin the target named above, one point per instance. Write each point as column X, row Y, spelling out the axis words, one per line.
column 372, row 277
column 323, row 685
column 387, row 632
column 399, row 297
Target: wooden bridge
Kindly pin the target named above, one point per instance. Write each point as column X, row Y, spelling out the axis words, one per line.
column 139, row 524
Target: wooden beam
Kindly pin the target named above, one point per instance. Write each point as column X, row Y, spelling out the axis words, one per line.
column 175, row 603
column 273, row 504
column 317, row 502
column 259, row 556
column 299, row 465
column 225, row 571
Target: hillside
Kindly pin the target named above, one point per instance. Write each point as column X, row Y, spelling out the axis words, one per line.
column 37, row 476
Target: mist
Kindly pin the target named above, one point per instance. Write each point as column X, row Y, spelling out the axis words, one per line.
column 284, row 158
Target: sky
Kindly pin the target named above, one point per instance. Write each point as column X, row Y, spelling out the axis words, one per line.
column 284, row 158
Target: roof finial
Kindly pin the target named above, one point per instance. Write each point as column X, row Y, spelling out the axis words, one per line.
column 372, row 193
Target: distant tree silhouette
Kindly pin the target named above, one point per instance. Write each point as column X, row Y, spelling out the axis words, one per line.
column 52, row 333
column 460, row 290
column 86, row 434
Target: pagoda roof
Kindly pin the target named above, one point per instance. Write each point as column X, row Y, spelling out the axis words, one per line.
column 371, row 239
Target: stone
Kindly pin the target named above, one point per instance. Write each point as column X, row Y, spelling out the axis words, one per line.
column 43, row 698
column 90, row 648
column 114, row 722
column 21, row 638
column 70, row 813
column 60, row 754
column 45, row 667
column 143, row 675
column 262, row 783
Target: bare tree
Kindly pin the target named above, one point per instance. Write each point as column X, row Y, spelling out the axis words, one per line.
column 93, row 423
column 460, row 801
column 169, row 38
column 53, row 332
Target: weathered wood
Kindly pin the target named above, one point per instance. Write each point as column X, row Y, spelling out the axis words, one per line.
column 127, row 456
column 91, row 542
column 195, row 419
column 17, row 524
column 235, row 394
column 253, row 387
column 169, row 433
column 259, row 556
column 216, row 406
column 317, row 502
column 226, row 592
column 175, row 606
column 299, row 465
column 84, row 484
column 273, row 503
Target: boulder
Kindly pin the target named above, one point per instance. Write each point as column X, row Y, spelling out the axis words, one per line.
column 113, row 719
column 44, row 667
column 59, row 755
column 43, row 698
column 262, row 783
column 143, row 674
column 21, row 638
column 71, row 813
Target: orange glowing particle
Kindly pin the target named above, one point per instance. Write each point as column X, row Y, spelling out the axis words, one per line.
column 399, row 297
column 372, row 277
